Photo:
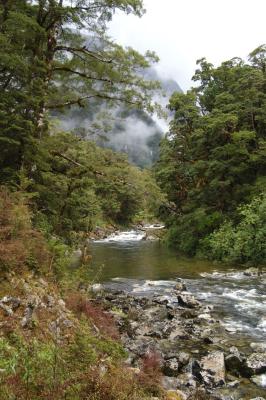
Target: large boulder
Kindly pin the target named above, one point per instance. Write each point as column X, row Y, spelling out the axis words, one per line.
column 210, row 370
column 254, row 365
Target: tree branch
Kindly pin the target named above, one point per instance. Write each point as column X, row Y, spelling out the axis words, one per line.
column 100, row 96
column 83, row 50
column 82, row 74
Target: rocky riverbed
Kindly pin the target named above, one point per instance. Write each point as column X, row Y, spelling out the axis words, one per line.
column 197, row 353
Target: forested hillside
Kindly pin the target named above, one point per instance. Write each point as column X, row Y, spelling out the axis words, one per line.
column 47, row 66
column 56, row 188
column 123, row 128
column 212, row 162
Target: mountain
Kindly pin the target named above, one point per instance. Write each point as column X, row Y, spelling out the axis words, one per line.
column 123, row 129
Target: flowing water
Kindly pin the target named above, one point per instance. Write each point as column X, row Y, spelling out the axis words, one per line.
column 125, row 261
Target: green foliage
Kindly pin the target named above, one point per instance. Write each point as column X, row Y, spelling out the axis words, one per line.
column 244, row 241
column 47, row 369
column 214, row 156
column 47, row 64
column 82, row 186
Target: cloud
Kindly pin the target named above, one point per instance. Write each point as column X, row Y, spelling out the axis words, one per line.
column 182, row 31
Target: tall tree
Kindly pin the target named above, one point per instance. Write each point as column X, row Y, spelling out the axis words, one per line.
column 214, row 157
column 55, row 54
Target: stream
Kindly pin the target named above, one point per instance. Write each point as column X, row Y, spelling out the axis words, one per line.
column 124, row 261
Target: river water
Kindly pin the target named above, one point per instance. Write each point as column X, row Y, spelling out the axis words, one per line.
column 127, row 262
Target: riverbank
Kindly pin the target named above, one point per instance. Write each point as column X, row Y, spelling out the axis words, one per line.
column 194, row 350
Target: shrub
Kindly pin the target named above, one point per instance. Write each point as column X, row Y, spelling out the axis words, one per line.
column 243, row 242
column 21, row 246
column 150, row 374
column 103, row 321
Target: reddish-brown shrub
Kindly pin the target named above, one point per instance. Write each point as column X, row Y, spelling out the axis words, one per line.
column 150, row 374
column 115, row 384
column 103, row 321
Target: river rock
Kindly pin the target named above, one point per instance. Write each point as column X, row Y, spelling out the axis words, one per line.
column 258, row 347
column 211, row 369
column 255, row 364
column 258, row 398
column 183, row 359
column 180, row 286
column 233, row 384
column 187, row 300
column 234, row 362
column 252, row 271
column 171, row 367
column 259, row 380
column 186, row 380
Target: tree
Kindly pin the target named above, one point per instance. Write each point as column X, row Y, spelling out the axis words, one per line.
column 55, row 54
column 213, row 159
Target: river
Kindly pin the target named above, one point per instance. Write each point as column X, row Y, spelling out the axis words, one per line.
column 127, row 262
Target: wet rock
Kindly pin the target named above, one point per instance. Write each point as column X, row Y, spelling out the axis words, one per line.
column 210, row 370
column 206, row 317
column 233, row 384
column 254, row 365
column 258, row 347
column 234, row 362
column 171, row 367
column 259, row 380
column 96, row 288
column 161, row 300
column 180, row 286
column 187, row 300
column 258, row 398
column 252, row 272
column 189, row 314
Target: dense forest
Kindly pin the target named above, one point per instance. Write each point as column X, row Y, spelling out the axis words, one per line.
column 47, row 67
column 212, row 163
column 59, row 186
column 56, row 188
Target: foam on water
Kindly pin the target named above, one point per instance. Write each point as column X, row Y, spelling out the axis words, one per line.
column 127, row 236
column 154, row 226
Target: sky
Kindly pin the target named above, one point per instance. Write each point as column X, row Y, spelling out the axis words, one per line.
column 182, row 31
